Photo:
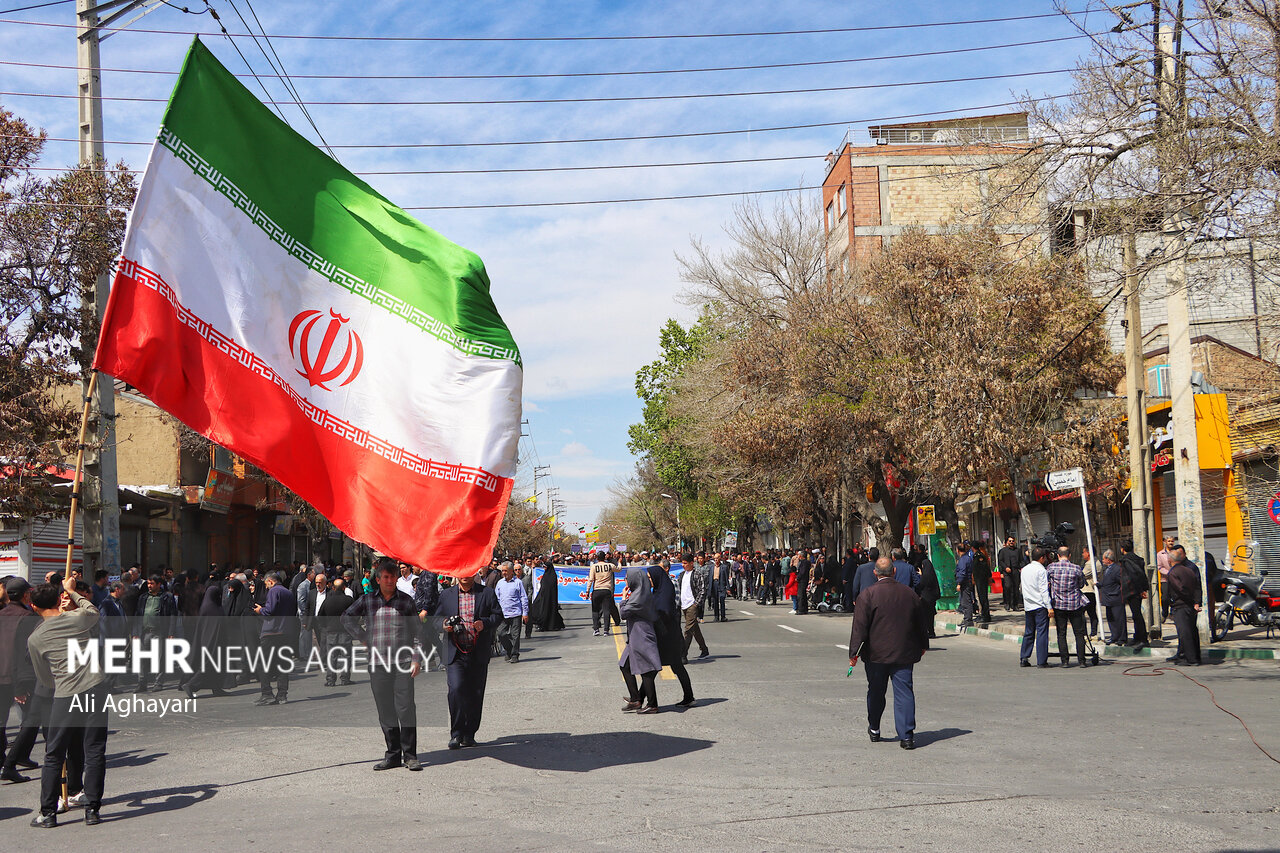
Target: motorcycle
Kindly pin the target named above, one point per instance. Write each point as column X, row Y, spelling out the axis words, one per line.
column 1243, row 600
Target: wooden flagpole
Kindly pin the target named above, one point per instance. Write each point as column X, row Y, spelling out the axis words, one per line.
column 75, row 483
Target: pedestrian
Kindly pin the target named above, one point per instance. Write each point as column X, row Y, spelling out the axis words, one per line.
column 693, row 592
column 602, row 582
column 1092, row 574
column 515, row 611
column 426, row 598
column 930, row 589
column 276, row 640
column 155, row 622
column 721, row 571
column 1164, row 562
column 982, row 585
column 332, row 636
column 1111, row 596
column 864, row 576
column 386, row 622
column 1137, row 587
column 78, row 713
column 525, row 576
column 1066, row 580
column 17, row 677
column 640, row 657
column 546, row 601
column 803, row 568
column 1034, row 583
column 667, row 627
column 112, row 625
column 208, row 643
column 1185, row 601
column 964, row 584
column 1009, row 564
column 468, row 614
column 890, row 634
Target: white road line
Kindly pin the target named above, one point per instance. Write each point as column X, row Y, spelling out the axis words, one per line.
column 842, row 646
column 746, row 613
column 792, row 630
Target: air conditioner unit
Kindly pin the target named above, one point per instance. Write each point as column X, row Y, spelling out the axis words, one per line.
column 915, row 136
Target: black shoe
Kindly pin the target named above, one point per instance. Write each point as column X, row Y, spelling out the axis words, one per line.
column 455, row 743
column 1024, row 662
column 265, row 699
column 331, row 684
column 1173, row 659
column 908, row 742
column 706, row 653
column 687, row 702
column 279, row 700
column 346, row 683
column 91, row 817
column 26, row 764
column 1042, row 666
column 514, row 659
column 413, row 764
column 387, row 764
column 191, row 694
column 1066, row 664
column 468, row 741
column 218, row 691
column 873, row 734
column 44, row 821
column 648, row 709
column 12, row 775
column 1185, row 662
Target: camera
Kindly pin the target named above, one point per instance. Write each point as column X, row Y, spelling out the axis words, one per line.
column 454, row 623
column 1058, row 538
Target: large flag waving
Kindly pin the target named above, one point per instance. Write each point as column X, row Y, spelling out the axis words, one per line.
column 278, row 305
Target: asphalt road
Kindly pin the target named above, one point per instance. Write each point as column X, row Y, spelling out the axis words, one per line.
column 773, row 756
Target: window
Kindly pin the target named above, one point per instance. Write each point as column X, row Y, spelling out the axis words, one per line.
column 839, row 201
column 831, row 217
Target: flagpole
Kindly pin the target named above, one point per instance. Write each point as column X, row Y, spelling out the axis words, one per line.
column 75, row 483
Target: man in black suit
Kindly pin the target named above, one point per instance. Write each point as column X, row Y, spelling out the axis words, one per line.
column 864, row 576
column 890, row 634
column 466, row 653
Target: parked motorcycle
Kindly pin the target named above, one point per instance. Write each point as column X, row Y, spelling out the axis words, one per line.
column 1243, row 600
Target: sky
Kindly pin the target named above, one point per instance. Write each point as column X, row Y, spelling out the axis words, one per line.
column 584, row 287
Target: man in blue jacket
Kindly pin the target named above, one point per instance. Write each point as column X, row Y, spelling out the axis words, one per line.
column 964, row 584
column 279, row 634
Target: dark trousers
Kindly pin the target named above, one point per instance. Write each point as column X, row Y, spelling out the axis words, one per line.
column 87, row 724
column 770, row 591
column 6, row 703
column 601, row 609
column 967, row 605
column 466, row 676
column 692, row 630
column 879, row 675
column 397, row 713
column 1091, row 612
column 35, row 716
column 1117, row 626
column 1184, row 620
column 509, row 635
column 646, row 690
column 1075, row 618
column 1006, row 589
column 1036, row 631
column 983, row 589
column 802, row 599
column 337, row 656
column 1139, row 624
column 275, row 647
column 145, row 668
column 717, row 607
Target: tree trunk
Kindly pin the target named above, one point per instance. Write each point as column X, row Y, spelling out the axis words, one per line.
column 1021, row 498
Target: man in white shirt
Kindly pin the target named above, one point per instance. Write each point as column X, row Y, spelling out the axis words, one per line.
column 1036, row 609
column 693, row 591
column 404, row 583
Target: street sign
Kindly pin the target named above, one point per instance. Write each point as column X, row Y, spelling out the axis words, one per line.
column 1058, row 481
column 1274, row 508
column 925, row 523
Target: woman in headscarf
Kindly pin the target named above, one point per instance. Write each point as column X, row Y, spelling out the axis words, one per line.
column 641, row 656
column 207, row 643
column 236, row 603
column 546, row 604
column 667, row 626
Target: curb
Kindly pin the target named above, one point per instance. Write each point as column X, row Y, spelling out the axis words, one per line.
column 1207, row 653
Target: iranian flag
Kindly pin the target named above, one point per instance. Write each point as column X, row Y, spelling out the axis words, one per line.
column 278, row 305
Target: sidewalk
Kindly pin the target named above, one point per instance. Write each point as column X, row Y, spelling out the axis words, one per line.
column 1251, row 643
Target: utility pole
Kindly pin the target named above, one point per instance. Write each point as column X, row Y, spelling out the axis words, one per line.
column 1136, row 399
column 101, row 489
column 1171, row 128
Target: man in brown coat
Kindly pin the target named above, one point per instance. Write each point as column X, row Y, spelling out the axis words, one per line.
column 890, row 633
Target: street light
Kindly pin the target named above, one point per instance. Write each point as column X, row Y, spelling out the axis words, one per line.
column 676, row 498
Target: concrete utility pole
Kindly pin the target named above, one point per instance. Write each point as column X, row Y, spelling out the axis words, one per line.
column 1136, row 398
column 1186, row 457
column 101, row 495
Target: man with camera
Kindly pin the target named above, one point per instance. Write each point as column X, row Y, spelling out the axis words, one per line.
column 469, row 613
column 385, row 621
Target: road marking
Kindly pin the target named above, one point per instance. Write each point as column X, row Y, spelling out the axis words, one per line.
column 746, row 613
column 618, row 644
column 842, row 646
column 792, row 630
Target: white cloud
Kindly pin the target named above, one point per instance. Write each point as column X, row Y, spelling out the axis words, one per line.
column 575, row 449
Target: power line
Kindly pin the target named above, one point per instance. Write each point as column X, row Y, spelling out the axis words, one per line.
column 596, row 100
column 579, row 74
column 503, row 39
column 655, row 136
column 36, row 6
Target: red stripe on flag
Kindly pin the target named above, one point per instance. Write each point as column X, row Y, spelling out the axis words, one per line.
column 446, row 525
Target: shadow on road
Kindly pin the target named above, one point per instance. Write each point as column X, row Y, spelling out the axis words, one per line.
column 700, row 703
column 575, row 753
column 156, row 802
column 927, row 738
column 132, row 758
column 534, row 660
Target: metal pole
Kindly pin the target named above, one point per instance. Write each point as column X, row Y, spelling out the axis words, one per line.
column 1093, row 564
column 101, row 495
column 1136, row 402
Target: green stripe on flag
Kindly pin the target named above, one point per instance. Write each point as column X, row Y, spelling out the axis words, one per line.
column 332, row 221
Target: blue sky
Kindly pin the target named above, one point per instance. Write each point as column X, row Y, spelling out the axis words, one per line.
column 584, row 288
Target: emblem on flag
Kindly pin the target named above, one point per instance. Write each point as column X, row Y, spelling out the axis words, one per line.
column 315, row 363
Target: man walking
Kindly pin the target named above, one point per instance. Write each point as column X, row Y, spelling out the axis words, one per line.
column 1009, row 563
column 602, row 586
column 515, row 611
column 1036, row 607
column 1185, row 601
column 155, row 621
column 1066, row 580
column 279, row 631
column 693, row 592
column 1136, row 588
column 890, row 634
column 721, row 572
column 385, row 621
column 331, row 635
column 964, row 584
column 466, row 654
column 78, row 719
column 1111, row 597
column 17, row 678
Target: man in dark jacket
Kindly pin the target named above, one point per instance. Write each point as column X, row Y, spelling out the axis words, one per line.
column 890, row 634
column 864, row 576
column 930, row 590
column 1111, row 596
column 982, row 585
column 155, row 620
column 279, row 634
column 17, row 676
column 1185, row 600
column 467, row 648
column 1009, row 562
column 1136, row 588
column 964, row 584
